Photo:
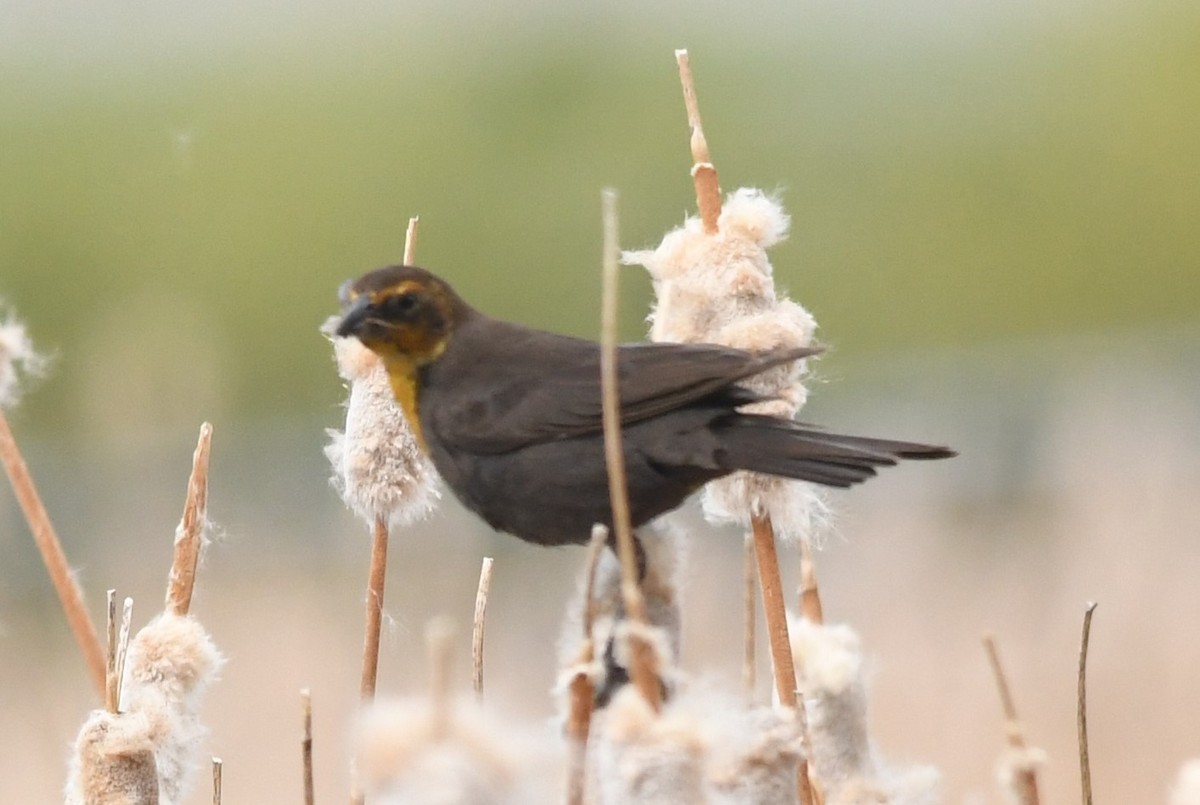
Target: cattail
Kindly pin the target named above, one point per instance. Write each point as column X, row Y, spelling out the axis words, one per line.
column 18, row 361
column 113, row 761
column 378, row 468
column 172, row 662
column 1186, row 790
column 766, row 747
column 719, row 288
column 640, row 757
column 844, row 760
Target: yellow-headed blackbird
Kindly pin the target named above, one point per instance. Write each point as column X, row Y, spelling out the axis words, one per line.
column 511, row 416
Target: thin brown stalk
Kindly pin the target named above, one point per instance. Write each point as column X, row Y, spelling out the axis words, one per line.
column 1085, row 766
column 70, row 595
column 217, row 764
column 643, row 665
column 189, row 536
column 704, row 174
column 580, row 690
column 810, row 592
column 123, row 646
column 750, row 622
column 111, row 683
column 775, row 612
column 375, row 582
column 410, row 240
column 481, row 599
column 306, row 745
column 1025, row 782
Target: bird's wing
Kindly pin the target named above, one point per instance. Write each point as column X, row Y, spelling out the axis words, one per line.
column 532, row 387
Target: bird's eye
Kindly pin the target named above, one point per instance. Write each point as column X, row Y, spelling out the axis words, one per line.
column 401, row 304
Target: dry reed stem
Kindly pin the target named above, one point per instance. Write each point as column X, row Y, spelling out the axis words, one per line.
column 70, row 595
column 1085, row 767
column 643, row 664
column 217, row 763
column 481, row 598
column 581, row 693
column 750, row 622
column 189, row 535
column 810, row 592
column 375, row 582
column 410, row 240
column 775, row 611
column 704, row 174
column 1026, row 779
column 111, row 683
column 123, row 645
column 306, row 745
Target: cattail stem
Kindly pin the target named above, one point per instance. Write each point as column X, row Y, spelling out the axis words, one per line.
column 750, row 622
column 580, row 690
column 1025, row 782
column 439, row 641
column 70, row 595
column 306, row 746
column 704, row 173
column 481, row 599
column 110, row 655
column 810, row 592
column 410, row 240
column 1085, row 766
column 189, row 536
column 217, row 765
column 123, row 646
column 375, row 583
column 775, row 612
column 643, row 665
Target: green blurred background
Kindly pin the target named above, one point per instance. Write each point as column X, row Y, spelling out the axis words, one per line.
column 995, row 212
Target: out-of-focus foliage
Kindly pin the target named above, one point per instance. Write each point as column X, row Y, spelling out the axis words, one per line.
column 182, row 188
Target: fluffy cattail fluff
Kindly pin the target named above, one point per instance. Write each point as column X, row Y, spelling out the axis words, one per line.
column 171, row 664
column 409, row 753
column 639, row 757
column 766, row 746
column 378, row 468
column 1186, row 790
column 18, row 360
column 113, row 762
column 719, row 289
column 663, row 548
column 844, row 761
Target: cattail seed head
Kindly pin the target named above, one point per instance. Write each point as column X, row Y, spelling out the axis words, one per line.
column 18, row 360
column 378, row 467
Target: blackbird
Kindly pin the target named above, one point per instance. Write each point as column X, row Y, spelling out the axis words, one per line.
column 511, row 416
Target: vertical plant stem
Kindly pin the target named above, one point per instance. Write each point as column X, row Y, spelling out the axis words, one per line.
column 580, row 690
column 1026, row 788
column 750, row 620
column 410, row 240
column 123, row 647
column 1085, row 766
column 70, row 595
column 110, row 655
column 775, row 612
column 217, row 764
column 704, row 173
column 189, row 536
column 375, row 583
column 306, row 746
column 481, row 599
column 439, row 642
column 643, row 666
column 810, row 592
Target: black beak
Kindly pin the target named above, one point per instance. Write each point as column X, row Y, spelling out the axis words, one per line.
column 355, row 317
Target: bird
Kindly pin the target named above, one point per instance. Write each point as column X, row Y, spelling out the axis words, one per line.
column 511, row 416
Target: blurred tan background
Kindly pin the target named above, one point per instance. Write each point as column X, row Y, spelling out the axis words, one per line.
column 994, row 221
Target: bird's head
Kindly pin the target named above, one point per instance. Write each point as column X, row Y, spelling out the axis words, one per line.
column 402, row 313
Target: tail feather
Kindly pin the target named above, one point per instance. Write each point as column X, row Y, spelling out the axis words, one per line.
column 767, row 445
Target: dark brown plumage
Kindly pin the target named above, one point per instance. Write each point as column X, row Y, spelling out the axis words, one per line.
column 511, row 416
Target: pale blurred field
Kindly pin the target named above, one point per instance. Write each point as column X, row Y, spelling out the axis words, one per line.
column 994, row 221
column 1077, row 484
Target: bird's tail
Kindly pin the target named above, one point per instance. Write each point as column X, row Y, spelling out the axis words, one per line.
column 766, row 444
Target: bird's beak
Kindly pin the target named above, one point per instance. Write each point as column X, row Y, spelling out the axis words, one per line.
column 355, row 316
